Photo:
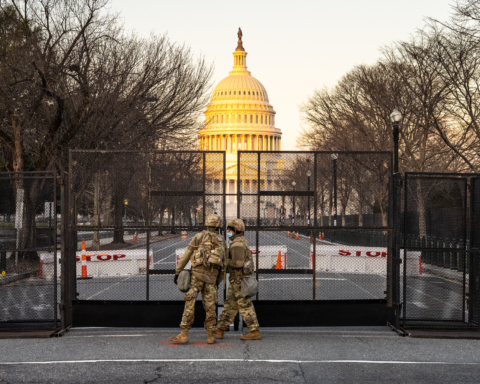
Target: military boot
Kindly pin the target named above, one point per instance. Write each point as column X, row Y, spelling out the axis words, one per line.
column 255, row 335
column 218, row 334
column 181, row 338
column 210, row 339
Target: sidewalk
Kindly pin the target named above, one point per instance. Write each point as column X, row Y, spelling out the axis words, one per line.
column 293, row 355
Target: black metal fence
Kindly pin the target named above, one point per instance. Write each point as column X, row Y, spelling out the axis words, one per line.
column 439, row 271
column 336, row 239
column 29, row 275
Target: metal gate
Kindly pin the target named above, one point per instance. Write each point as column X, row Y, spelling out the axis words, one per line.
column 29, row 284
column 319, row 225
column 438, row 254
column 134, row 213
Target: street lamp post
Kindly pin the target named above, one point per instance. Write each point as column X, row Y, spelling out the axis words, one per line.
column 334, row 159
column 125, row 202
column 395, row 118
column 309, row 173
column 283, row 208
column 293, row 217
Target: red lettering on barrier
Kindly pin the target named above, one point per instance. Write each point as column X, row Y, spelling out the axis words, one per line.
column 369, row 253
column 78, row 258
column 358, row 253
column 104, row 257
column 384, row 254
column 344, row 253
column 89, row 257
column 116, row 257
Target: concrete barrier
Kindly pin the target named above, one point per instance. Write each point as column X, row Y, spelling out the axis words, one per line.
column 356, row 259
column 267, row 256
column 101, row 263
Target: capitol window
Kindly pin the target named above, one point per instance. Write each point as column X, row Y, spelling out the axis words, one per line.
column 244, row 93
column 248, row 93
column 251, row 119
column 261, row 120
column 245, row 119
column 256, row 119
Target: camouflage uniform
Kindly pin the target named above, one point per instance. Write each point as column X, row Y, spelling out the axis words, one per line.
column 205, row 279
column 237, row 255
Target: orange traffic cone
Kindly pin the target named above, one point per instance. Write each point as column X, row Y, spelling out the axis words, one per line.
column 135, row 237
column 297, row 236
column 319, row 235
column 279, row 260
column 84, row 260
column 288, row 234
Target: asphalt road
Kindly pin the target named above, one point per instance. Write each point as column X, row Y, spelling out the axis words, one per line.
column 315, row 355
column 428, row 296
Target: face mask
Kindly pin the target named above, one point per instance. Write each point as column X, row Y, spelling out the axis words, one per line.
column 229, row 234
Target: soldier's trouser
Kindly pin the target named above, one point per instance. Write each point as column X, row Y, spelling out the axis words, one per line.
column 233, row 304
column 209, row 299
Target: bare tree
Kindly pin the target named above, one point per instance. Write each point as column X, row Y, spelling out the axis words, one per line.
column 70, row 77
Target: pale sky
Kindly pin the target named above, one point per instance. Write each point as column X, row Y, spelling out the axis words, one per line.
column 293, row 47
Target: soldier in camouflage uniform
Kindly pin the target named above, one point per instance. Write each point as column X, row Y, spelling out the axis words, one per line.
column 240, row 264
column 207, row 253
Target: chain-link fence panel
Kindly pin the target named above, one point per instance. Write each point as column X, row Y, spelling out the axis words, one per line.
column 438, row 263
column 136, row 212
column 29, row 247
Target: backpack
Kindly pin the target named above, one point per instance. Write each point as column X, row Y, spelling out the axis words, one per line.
column 248, row 266
column 210, row 252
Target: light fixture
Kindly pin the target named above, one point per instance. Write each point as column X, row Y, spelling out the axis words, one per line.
column 396, row 116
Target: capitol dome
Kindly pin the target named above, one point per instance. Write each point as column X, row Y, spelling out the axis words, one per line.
column 239, row 115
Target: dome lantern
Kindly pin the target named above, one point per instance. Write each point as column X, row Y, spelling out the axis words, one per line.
column 240, row 56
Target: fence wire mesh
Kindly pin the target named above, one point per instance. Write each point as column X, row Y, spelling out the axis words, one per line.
column 29, row 266
column 292, row 202
column 135, row 213
column 439, row 267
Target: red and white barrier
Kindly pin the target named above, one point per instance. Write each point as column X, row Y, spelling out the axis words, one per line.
column 101, row 263
column 355, row 259
column 267, row 256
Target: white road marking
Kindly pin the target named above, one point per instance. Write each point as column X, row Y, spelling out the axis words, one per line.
column 69, row 336
column 398, row 362
column 300, row 278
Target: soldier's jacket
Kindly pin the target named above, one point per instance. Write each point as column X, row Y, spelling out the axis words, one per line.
column 211, row 274
column 238, row 253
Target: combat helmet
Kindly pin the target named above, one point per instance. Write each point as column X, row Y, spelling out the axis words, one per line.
column 213, row 221
column 237, row 224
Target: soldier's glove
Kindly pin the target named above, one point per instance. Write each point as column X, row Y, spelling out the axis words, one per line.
column 175, row 279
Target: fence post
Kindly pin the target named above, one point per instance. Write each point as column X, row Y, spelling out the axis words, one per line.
column 453, row 255
column 428, row 254
column 423, row 243
column 461, row 255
